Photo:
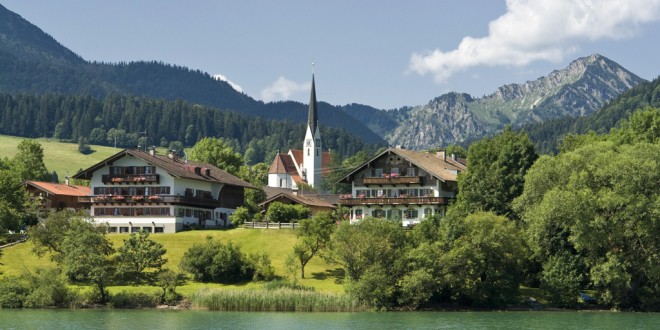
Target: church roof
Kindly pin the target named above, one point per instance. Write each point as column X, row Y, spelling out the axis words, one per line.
column 286, row 164
column 312, row 115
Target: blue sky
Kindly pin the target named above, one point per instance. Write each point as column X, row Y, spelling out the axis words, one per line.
column 385, row 54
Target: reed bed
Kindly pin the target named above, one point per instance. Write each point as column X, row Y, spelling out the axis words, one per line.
column 279, row 300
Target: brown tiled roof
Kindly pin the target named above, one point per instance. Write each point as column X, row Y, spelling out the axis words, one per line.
column 174, row 167
column 303, row 200
column 59, row 189
column 444, row 170
column 282, row 164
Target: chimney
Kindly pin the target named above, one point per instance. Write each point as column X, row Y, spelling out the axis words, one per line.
column 152, row 151
column 66, row 180
column 442, row 155
column 172, row 155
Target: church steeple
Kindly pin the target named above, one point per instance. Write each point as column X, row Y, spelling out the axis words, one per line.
column 312, row 115
column 313, row 149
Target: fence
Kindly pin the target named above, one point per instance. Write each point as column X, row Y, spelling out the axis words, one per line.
column 271, row 225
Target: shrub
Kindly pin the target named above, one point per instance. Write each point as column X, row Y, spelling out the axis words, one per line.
column 13, row 292
column 263, row 269
column 240, row 216
column 126, row 299
column 214, row 261
column 284, row 284
column 48, row 290
column 416, row 288
column 168, row 282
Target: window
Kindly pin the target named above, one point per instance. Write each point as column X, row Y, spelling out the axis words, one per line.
column 159, row 230
column 123, row 229
column 411, row 214
column 380, row 193
column 317, row 151
column 428, row 212
column 378, row 213
column 112, row 229
column 146, row 229
column 395, row 171
column 394, row 215
column 358, row 214
column 135, row 229
column 426, row 192
column 411, row 171
column 379, row 172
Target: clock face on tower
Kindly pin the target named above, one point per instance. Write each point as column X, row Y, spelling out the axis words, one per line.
column 308, row 142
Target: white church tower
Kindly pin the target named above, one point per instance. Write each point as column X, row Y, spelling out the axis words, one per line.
column 312, row 149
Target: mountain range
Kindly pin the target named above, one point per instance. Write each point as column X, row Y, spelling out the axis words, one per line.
column 31, row 61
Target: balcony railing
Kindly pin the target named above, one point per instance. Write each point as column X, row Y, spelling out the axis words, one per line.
column 394, row 201
column 130, row 178
column 392, row 180
column 180, row 200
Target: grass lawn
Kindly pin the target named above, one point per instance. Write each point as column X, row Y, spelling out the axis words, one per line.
column 60, row 157
column 277, row 243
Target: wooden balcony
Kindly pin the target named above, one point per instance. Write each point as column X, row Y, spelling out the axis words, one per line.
column 395, row 201
column 392, row 180
column 130, row 178
column 156, row 199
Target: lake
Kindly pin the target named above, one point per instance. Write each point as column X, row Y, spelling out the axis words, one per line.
column 195, row 319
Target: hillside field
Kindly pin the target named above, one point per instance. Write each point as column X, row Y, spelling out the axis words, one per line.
column 277, row 243
column 61, row 157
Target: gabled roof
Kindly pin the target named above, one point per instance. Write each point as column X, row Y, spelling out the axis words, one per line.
column 59, row 189
column 303, row 200
column 173, row 166
column 441, row 168
column 288, row 164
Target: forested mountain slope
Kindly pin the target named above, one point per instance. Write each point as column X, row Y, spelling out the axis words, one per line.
column 33, row 62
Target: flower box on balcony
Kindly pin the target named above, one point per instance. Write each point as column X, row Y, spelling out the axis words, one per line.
column 117, row 179
column 137, row 198
column 118, row 198
column 154, row 198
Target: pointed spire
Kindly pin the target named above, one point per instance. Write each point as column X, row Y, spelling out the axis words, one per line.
column 312, row 116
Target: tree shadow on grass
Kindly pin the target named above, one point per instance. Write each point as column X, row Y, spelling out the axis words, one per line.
column 338, row 274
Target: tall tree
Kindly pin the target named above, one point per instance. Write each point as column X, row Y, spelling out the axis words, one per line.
column 28, row 163
column 217, row 152
column 496, row 172
column 137, row 254
column 313, row 235
column 86, row 256
column 600, row 202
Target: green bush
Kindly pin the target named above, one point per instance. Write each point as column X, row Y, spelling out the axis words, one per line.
column 48, row 290
column 375, row 288
column 13, row 291
column 284, row 284
column 263, row 268
column 214, row 261
column 126, row 299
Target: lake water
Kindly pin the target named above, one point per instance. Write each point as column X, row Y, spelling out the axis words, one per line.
column 193, row 319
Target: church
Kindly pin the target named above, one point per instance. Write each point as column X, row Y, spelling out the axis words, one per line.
column 297, row 168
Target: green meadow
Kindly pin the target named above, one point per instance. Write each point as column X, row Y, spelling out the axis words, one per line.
column 61, row 157
column 277, row 243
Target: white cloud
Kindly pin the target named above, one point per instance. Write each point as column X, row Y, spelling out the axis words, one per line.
column 533, row 30
column 282, row 89
column 233, row 85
